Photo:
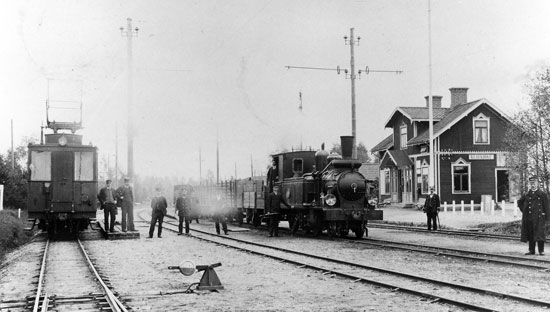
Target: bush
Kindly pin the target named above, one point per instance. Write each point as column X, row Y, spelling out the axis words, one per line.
column 12, row 233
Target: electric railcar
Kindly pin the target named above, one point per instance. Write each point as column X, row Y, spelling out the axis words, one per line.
column 62, row 181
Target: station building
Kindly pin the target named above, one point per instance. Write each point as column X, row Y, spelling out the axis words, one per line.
column 470, row 161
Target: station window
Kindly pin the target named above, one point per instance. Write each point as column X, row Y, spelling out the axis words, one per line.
column 41, row 166
column 461, row 177
column 403, row 136
column 481, row 126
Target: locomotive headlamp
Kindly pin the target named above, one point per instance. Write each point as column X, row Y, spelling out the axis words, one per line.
column 62, row 140
column 330, row 199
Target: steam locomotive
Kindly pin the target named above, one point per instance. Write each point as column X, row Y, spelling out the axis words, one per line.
column 326, row 192
column 62, row 181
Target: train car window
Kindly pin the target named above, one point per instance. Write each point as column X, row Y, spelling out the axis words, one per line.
column 83, row 166
column 297, row 165
column 41, row 166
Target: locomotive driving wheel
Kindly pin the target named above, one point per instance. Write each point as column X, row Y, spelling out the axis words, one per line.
column 359, row 231
column 332, row 229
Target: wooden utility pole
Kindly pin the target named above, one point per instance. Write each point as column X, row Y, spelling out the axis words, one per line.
column 129, row 33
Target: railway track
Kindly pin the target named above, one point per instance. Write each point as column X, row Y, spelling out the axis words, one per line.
column 517, row 261
column 443, row 232
column 435, row 290
column 69, row 281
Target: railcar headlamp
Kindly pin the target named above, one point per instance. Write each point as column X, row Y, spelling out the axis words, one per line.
column 62, row 140
column 330, row 199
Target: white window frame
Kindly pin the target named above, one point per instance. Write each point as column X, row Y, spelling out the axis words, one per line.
column 481, row 117
column 425, row 176
column 403, row 143
column 385, row 178
column 461, row 163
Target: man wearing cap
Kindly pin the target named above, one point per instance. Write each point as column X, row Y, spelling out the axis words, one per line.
column 534, row 207
column 106, row 198
column 184, row 210
column 159, row 205
column 126, row 195
column 431, row 208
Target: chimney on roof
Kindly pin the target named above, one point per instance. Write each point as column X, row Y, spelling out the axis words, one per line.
column 436, row 101
column 458, row 96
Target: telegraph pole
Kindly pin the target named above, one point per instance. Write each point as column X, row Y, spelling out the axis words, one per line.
column 431, row 173
column 129, row 33
column 12, row 150
column 352, row 75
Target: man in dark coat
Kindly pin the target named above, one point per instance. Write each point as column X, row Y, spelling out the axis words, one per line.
column 273, row 206
column 126, row 195
column 534, row 207
column 431, row 208
column 220, row 213
column 107, row 198
column 184, row 210
column 159, row 205
column 272, row 175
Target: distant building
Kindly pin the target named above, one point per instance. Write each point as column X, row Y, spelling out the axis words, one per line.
column 469, row 153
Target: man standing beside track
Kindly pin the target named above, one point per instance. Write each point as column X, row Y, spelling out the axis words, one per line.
column 535, row 210
column 183, row 210
column 126, row 194
column 159, row 205
column 107, row 200
column 273, row 205
column 431, row 208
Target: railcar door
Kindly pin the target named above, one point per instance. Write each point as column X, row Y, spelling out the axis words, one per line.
column 62, row 180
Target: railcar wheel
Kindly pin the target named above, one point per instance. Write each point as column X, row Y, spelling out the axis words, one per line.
column 249, row 214
column 359, row 232
column 344, row 232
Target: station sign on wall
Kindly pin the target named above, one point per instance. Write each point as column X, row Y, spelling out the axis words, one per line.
column 481, row 156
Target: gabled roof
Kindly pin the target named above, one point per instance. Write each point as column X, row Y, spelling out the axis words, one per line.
column 398, row 157
column 386, row 144
column 416, row 114
column 452, row 117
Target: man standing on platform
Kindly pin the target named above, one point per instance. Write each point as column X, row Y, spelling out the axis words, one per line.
column 107, row 200
column 535, row 210
column 126, row 194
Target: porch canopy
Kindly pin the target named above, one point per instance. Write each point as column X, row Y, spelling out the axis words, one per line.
column 395, row 158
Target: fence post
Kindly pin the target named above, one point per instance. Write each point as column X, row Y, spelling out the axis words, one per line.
column 453, row 206
column 445, row 206
column 472, row 206
column 18, row 213
column 461, row 207
column 503, row 207
column 481, row 207
column 492, row 207
column 515, row 207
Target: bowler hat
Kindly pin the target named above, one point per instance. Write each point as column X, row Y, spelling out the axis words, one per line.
column 126, row 179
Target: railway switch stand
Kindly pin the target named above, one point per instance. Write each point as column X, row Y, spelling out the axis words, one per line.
column 209, row 280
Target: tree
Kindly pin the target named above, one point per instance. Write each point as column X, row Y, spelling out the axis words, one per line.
column 14, row 179
column 528, row 142
column 362, row 152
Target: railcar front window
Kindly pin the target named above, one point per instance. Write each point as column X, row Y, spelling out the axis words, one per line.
column 41, row 166
column 84, row 166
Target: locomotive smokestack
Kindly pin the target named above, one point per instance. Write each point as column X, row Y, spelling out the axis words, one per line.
column 346, row 142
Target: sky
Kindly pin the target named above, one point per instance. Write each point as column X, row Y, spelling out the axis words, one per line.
column 212, row 74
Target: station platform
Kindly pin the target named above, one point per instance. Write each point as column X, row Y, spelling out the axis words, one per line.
column 117, row 234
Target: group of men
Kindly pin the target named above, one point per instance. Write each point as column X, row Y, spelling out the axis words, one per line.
column 533, row 204
column 110, row 199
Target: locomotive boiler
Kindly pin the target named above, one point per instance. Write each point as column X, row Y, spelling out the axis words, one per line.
column 326, row 192
column 62, row 181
